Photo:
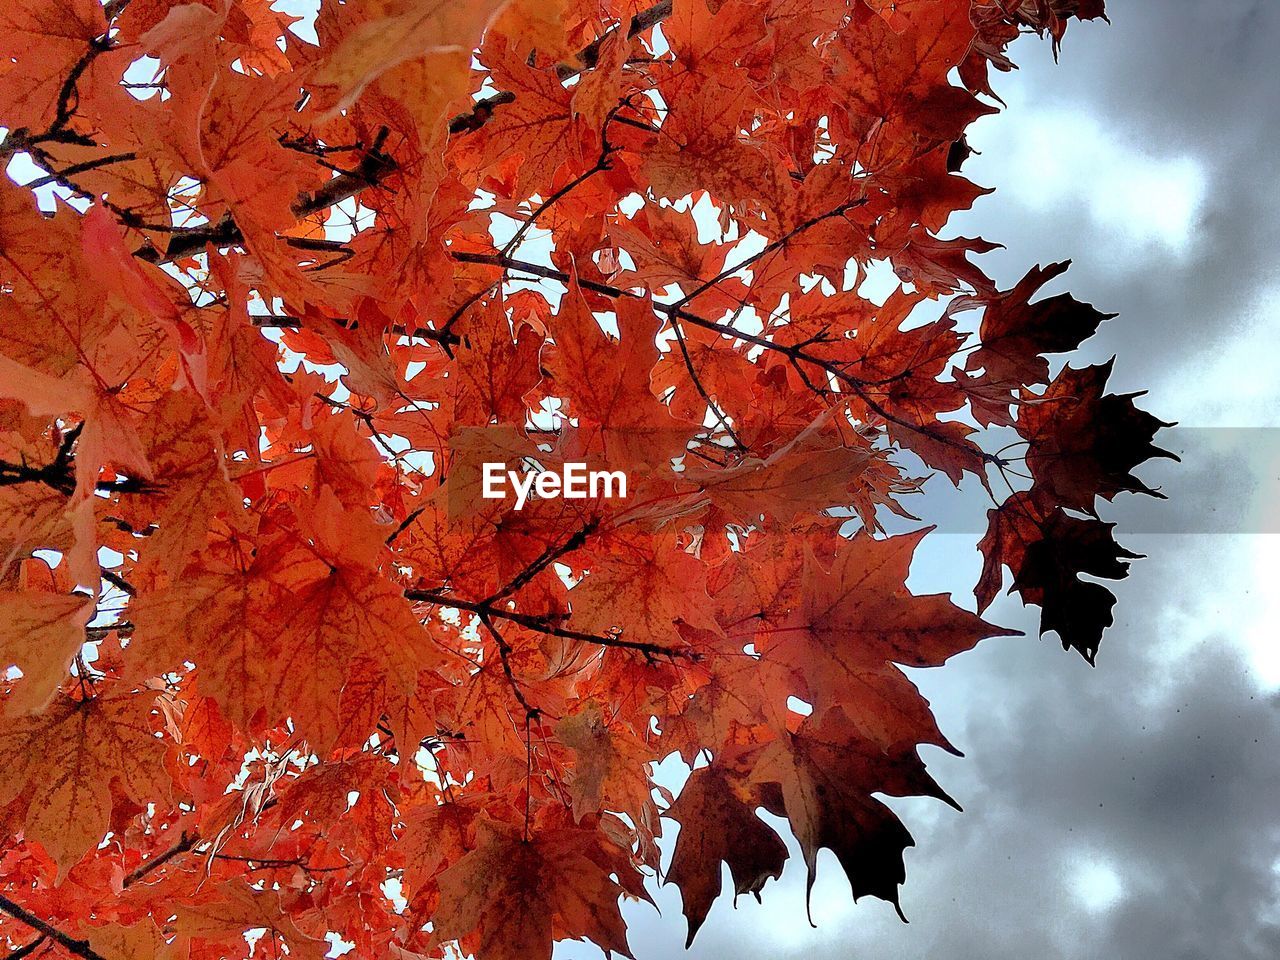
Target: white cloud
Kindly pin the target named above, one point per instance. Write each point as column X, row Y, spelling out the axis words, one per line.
column 1051, row 161
column 1095, row 883
column 1260, row 616
column 1233, row 384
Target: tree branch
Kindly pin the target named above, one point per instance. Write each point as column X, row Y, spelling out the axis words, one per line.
column 27, row 948
column 60, row 476
column 585, row 59
column 185, row 843
column 68, row 94
column 674, row 311
column 504, row 653
column 80, row 948
column 548, row 557
column 545, row 625
column 837, row 211
column 589, row 55
column 601, row 164
column 61, row 175
column 374, row 165
column 702, row 390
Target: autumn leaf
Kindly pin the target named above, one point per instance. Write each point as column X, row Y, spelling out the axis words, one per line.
column 1048, row 551
column 656, row 583
column 850, row 628
column 40, row 633
column 232, row 909
column 1016, row 334
column 1084, row 444
column 71, row 762
column 611, row 768
column 515, row 896
column 41, row 44
column 825, row 774
column 395, row 33
column 717, row 826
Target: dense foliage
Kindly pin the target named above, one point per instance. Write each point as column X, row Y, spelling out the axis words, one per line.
column 269, row 303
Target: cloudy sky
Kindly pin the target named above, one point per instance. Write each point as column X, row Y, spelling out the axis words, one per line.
column 1129, row 810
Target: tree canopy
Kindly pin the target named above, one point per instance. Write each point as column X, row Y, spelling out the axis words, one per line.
column 273, row 291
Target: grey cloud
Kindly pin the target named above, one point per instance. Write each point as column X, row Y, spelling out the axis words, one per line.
column 1173, row 79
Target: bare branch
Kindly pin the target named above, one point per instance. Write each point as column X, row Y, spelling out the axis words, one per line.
column 80, row 948
column 548, row 626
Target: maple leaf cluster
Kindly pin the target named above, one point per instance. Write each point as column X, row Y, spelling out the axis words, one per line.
column 276, row 671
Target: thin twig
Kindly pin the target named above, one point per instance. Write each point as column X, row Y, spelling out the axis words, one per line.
column 27, row 948
column 505, row 653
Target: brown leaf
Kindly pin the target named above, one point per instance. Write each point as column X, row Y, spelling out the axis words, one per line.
column 717, row 826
